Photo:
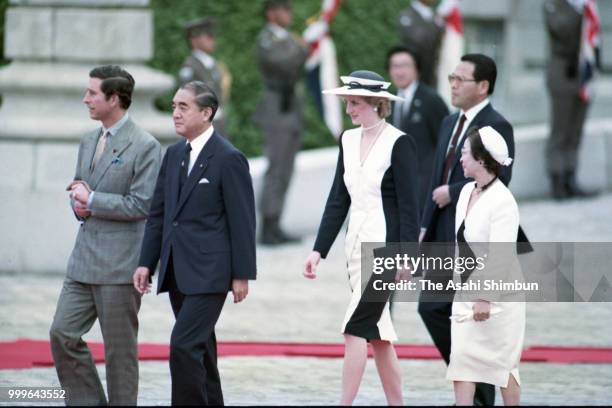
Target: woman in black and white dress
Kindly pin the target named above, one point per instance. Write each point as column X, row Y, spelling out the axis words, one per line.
column 375, row 185
column 487, row 332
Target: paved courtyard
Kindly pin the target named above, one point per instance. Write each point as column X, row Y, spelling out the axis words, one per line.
column 283, row 306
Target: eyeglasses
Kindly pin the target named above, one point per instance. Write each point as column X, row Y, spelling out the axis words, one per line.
column 402, row 65
column 460, row 79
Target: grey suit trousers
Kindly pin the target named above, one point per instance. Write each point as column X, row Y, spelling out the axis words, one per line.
column 282, row 142
column 568, row 113
column 116, row 307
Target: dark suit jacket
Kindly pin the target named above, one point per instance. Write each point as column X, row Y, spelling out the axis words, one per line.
column 210, row 227
column 422, row 120
column 440, row 222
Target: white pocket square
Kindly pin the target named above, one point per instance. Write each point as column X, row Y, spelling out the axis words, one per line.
column 203, row 180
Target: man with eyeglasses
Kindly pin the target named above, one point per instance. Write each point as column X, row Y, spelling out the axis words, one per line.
column 472, row 82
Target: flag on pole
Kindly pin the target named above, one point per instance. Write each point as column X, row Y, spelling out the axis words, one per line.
column 589, row 48
column 452, row 45
column 321, row 66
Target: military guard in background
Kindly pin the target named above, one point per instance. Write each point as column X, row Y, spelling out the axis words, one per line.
column 564, row 19
column 420, row 29
column 280, row 57
column 200, row 65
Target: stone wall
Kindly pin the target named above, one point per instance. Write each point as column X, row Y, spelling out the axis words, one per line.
column 53, row 44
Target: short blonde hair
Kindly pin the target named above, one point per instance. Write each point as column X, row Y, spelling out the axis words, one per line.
column 382, row 105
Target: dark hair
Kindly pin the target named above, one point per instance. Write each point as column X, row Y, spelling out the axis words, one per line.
column 484, row 69
column 398, row 49
column 115, row 81
column 480, row 153
column 201, row 26
column 274, row 4
column 205, row 97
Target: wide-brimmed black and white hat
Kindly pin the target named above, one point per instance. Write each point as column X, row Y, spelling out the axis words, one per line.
column 364, row 83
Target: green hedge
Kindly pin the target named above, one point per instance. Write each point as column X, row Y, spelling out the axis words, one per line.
column 362, row 32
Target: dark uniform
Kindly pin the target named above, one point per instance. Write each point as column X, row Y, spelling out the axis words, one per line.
column 568, row 110
column 279, row 114
column 424, row 36
column 200, row 66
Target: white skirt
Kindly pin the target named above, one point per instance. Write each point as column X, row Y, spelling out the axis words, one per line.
column 488, row 351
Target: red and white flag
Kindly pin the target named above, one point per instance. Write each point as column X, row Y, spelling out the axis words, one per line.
column 452, row 45
column 589, row 48
column 321, row 66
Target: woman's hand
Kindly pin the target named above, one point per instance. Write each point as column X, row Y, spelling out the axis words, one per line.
column 310, row 266
column 482, row 310
column 403, row 274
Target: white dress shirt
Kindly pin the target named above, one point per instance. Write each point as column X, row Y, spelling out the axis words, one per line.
column 206, row 59
column 408, row 95
column 112, row 131
column 470, row 114
column 197, row 145
column 278, row 31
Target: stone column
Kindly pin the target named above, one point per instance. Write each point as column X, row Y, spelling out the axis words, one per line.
column 53, row 44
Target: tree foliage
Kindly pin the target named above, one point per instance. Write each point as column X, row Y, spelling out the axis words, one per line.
column 362, row 31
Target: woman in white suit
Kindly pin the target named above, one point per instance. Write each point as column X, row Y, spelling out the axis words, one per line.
column 486, row 335
column 376, row 187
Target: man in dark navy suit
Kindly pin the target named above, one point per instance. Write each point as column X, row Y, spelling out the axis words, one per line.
column 471, row 84
column 419, row 114
column 201, row 228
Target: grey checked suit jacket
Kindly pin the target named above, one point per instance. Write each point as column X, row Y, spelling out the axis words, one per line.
column 108, row 242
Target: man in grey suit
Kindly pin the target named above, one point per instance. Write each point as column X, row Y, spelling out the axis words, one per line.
column 421, row 30
column 280, row 58
column 419, row 115
column 111, row 193
column 568, row 110
column 201, row 65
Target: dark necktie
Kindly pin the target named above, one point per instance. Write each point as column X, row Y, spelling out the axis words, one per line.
column 184, row 166
column 452, row 150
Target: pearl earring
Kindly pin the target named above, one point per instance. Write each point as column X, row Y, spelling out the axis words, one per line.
column 375, row 109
